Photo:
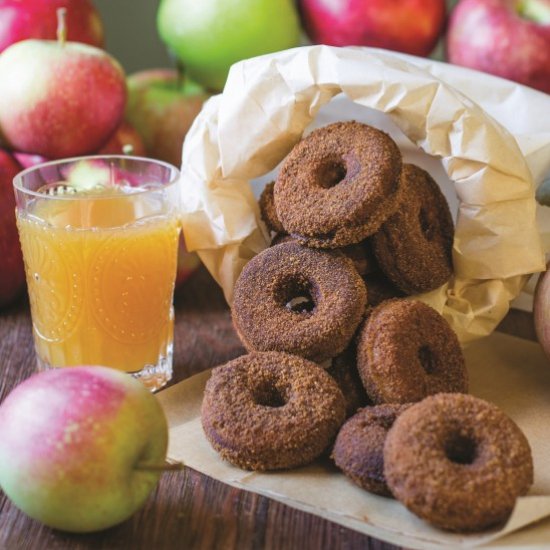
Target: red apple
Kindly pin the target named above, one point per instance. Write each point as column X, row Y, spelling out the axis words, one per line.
column 410, row 26
column 37, row 19
column 81, row 447
column 162, row 110
column 59, row 99
column 126, row 140
column 507, row 38
column 12, row 272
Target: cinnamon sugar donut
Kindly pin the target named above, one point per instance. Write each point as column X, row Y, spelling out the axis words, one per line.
column 406, row 351
column 359, row 447
column 457, row 462
column 414, row 246
column 338, row 185
column 271, row 410
column 300, row 300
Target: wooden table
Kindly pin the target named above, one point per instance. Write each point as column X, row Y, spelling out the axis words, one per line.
column 188, row 509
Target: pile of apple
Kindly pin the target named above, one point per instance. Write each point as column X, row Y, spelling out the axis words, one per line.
column 62, row 95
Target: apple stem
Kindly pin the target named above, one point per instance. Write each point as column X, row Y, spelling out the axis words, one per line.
column 162, row 467
column 61, row 26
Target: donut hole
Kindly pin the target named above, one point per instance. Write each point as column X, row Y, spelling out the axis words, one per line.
column 330, row 172
column 267, row 394
column 427, row 359
column 426, row 225
column 296, row 295
column 461, row 449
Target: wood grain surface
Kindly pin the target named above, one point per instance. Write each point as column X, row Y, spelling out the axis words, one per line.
column 187, row 510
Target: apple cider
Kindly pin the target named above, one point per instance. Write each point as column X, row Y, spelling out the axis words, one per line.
column 100, row 270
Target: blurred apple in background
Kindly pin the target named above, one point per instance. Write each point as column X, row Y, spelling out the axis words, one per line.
column 162, row 108
column 126, row 140
column 410, row 26
column 59, row 99
column 507, row 38
column 208, row 36
column 81, row 447
column 28, row 160
column 12, row 272
column 20, row 20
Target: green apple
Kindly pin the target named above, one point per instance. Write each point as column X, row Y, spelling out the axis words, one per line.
column 81, row 447
column 210, row 35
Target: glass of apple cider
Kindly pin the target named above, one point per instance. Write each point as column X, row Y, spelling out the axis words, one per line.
column 99, row 237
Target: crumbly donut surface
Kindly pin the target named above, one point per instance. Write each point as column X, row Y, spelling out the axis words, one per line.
column 406, row 351
column 359, row 447
column 338, row 185
column 414, row 246
column 270, row 281
column 458, row 462
column 271, row 410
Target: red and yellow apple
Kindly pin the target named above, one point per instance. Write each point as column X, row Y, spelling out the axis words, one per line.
column 81, row 447
column 59, row 99
column 126, row 140
column 162, row 108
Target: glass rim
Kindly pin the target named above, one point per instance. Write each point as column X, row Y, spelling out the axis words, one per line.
column 18, row 179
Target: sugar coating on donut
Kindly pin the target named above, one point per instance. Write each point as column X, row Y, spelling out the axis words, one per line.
column 359, row 447
column 406, row 351
column 458, row 462
column 300, row 300
column 414, row 246
column 271, row 410
column 338, row 185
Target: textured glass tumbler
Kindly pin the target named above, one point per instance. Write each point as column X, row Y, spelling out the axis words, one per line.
column 100, row 237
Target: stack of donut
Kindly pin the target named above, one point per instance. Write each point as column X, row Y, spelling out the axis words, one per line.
column 330, row 336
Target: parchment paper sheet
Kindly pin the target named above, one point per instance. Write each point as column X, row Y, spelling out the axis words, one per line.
column 512, row 373
column 242, row 135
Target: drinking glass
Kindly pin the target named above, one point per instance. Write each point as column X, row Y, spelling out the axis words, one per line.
column 99, row 237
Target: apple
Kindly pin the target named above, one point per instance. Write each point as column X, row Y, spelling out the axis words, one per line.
column 12, row 271
column 507, row 38
column 59, row 99
column 210, row 35
column 37, row 19
column 162, row 109
column 126, row 140
column 81, row 447
column 410, row 26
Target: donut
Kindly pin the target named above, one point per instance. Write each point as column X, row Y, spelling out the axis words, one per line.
column 414, row 246
column 267, row 209
column 271, row 411
column 338, row 185
column 300, row 300
column 406, row 351
column 458, row 462
column 360, row 254
column 343, row 369
column 359, row 447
